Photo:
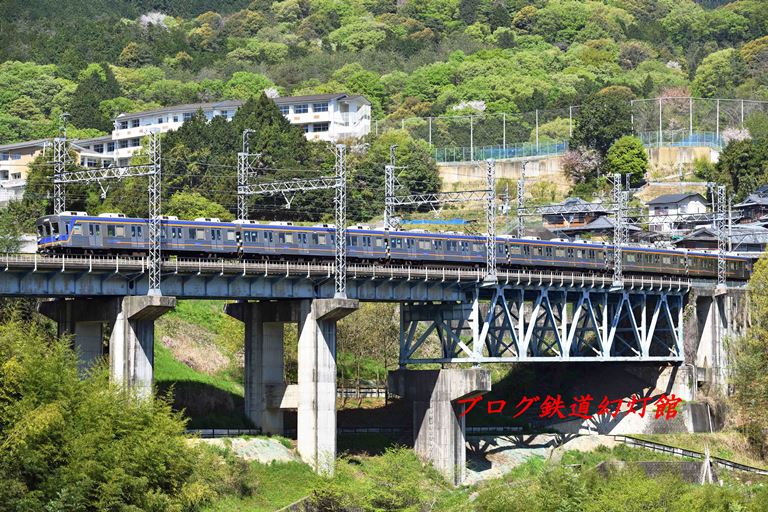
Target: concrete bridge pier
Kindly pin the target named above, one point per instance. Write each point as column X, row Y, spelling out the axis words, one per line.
column 132, row 338
column 267, row 394
column 438, row 424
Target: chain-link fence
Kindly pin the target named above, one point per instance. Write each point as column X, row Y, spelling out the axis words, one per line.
column 685, row 122
column 694, row 121
column 477, row 137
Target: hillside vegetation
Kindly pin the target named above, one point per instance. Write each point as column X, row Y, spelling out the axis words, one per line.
column 426, row 57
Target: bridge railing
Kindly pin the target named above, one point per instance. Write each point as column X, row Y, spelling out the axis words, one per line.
column 298, row 269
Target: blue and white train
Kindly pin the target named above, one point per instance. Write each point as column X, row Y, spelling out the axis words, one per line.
column 79, row 233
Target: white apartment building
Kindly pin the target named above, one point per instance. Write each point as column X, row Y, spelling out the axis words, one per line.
column 328, row 117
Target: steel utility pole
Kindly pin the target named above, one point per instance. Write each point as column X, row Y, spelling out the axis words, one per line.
column 521, row 201
column 339, row 183
column 620, row 229
column 60, row 160
column 244, row 169
column 722, row 234
column 490, row 216
column 153, row 170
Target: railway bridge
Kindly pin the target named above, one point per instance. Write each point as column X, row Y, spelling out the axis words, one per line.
column 447, row 314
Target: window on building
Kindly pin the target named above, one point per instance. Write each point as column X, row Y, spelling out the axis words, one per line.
column 15, row 156
column 110, row 147
column 175, row 119
column 159, row 120
column 305, row 127
column 225, row 113
column 301, row 109
column 123, row 125
column 15, row 175
column 187, row 116
column 135, row 123
column 136, row 142
column 98, row 148
column 320, row 127
column 122, row 144
column 320, row 107
column 285, row 109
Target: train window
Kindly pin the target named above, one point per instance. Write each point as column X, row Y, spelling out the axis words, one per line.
column 98, row 230
column 314, row 239
column 55, row 228
column 138, row 231
column 549, row 252
column 464, row 246
column 230, row 235
column 111, row 230
column 191, row 233
column 397, row 243
column 90, row 229
column 133, row 231
column 352, row 240
column 631, row 258
column 281, row 238
column 666, row 260
column 539, row 251
column 77, row 229
column 120, row 231
column 591, row 254
column 477, row 247
column 289, row 238
column 424, row 244
column 200, row 235
column 515, row 249
column 367, row 241
column 66, row 229
column 378, row 242
column 579, row 253
column 321, row 239
column 569, row 252
column 268, row 235
column 560, row 253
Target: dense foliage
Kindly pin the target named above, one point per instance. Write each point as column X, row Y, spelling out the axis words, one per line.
column 68, row 443
column 750, row 363
column 409, row 58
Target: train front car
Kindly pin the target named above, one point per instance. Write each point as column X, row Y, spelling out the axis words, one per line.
column 61, row 233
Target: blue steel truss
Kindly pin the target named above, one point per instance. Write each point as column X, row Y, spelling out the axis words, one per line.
column 546, row 322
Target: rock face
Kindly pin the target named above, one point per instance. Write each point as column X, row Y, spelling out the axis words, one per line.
column 263, row 450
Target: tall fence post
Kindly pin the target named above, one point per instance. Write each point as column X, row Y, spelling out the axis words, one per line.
column 717, row 124
column 537, row 131
column 471, row 138
column 504, row 132
column 690, row 117
column 661, row 126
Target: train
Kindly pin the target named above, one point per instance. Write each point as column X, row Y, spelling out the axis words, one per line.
column 77, row 233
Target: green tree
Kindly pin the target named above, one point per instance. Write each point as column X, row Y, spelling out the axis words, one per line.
column 83, row 443
column 718, row 74
column 603, row 118
column 750, row 362
column 190, row 205
column 97, row 84
column 742, row 166
column 627, row 156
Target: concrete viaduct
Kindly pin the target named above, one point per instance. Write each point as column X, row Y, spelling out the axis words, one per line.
column 448, row 315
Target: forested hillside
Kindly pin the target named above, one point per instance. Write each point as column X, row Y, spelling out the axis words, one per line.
column 410, row 58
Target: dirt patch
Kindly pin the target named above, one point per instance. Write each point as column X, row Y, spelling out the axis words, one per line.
column 263, row 450
column 194, row 347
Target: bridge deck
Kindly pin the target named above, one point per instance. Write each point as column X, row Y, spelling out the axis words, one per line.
column 55, row 276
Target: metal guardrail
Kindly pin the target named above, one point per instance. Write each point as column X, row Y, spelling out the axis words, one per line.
column 266, row 268
column 683, row 452
column 361, row 393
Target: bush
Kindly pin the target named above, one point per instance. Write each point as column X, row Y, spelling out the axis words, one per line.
column 85, row 444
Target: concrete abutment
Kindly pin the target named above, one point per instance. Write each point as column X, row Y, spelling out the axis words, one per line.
column 438, row 425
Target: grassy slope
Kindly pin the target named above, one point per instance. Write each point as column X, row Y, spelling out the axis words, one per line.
column 727, row 445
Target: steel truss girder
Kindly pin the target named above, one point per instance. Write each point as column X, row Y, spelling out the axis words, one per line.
column 515, row 324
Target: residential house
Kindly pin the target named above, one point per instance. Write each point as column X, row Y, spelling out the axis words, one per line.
column 755, row 206
column 571, row 213
column 673, row 212
column 14, row 166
